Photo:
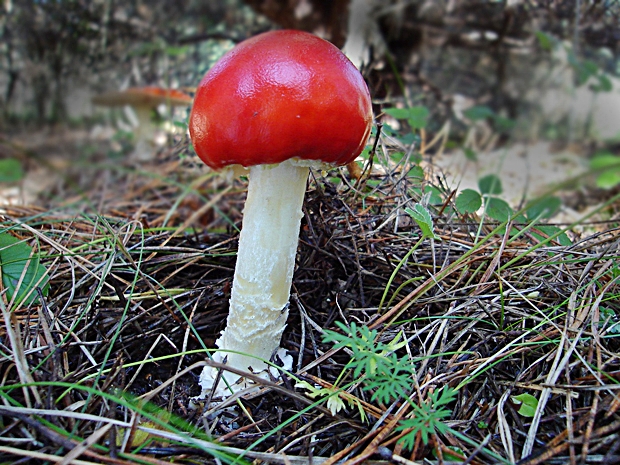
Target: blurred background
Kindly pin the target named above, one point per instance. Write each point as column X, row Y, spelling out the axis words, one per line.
column 490, row 74
column 56, row 54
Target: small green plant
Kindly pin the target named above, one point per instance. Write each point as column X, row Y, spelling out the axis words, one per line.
column 383, row 372
column 490, row 186
column 527, row 404
column 389, row 377
column 586, row 71
column 11, row 170
column 483, row 112
column 450, row 454
column 608, row 165
column 422, row 217
column 589, row 72
column 609, row 320
column 545, row 208
column 470, row 201
column 21, row 270
column 415, row 116
column 420, row 214
column 334, row 403
column 432, row 195
column 428, row 417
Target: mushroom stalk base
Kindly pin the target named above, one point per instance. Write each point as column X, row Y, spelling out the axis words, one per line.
column 264, row 271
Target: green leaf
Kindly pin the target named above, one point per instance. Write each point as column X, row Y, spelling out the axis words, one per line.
column 397, row 156
column 383, row 372
column 17, row 259
column 608, row 179
column 470, row 154
column 604, row 84
column 417, row 172
column 528, row 404
column 176, row 51
column 503, row 124
column 11, row 170
column 479, row 112
column 409, row 138
column 604, row 160
column 468, row 201
column 421, row 215
column 490, row 185
column 443, row 397
column 418, row 117
column 609, row 320
column 584, row 69
column 428, row 417
column 433, row 194
column 590, row 67
column 398, row 113
column 544, row 40
column 609, row 164
column 544, row 208
column 386, row 130
column 498, row 209
column 549, row 230
column 614, row 328
column 450, row 454
column 389, row 386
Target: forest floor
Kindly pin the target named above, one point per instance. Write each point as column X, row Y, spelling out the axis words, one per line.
column 511, row 351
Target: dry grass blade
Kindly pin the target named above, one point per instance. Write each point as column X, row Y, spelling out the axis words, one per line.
column 19, row 355
column 40, row 456
column 82, row 447
column 561, row 358
column 504, row 428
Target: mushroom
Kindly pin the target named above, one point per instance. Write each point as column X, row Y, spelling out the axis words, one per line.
column 144, row 100
column 278, row 103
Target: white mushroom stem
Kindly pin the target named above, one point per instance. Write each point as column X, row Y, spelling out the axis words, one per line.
column 264, row 271
column 363, row 32
column 144, row 133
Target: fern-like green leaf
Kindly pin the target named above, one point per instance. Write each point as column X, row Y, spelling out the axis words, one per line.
column 428, row 417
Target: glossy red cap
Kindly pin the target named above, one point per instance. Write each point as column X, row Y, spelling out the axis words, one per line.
column 279, row 95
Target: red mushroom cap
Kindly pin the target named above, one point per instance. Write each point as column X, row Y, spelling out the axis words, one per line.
column 280, row 95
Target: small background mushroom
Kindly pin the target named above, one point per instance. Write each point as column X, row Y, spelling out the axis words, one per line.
column 144, row 101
